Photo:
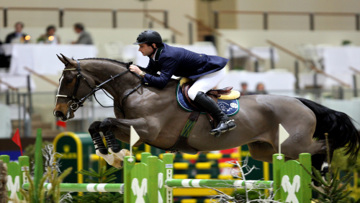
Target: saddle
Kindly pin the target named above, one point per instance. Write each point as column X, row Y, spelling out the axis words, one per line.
column 223, row 94
column 226, row 98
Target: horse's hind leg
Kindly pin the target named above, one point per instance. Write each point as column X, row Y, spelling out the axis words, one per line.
column 301, row 127
column 262, row 151
column 303, row 143
column 321, row 161
column 300, row 143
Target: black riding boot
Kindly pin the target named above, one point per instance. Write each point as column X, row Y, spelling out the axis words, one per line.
column 211, row 107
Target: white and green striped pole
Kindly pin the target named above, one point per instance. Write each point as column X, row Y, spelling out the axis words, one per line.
column 205, row 183
column 85, row 187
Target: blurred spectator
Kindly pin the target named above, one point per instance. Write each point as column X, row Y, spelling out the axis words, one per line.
column 4, row 60
column 260, row 88
column 18, row 36
column 84, row 37
column 244, row 89
column 49, row 37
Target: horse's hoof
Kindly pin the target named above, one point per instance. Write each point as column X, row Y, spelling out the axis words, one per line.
column 111, row 159
column 125, row 152
column 324, row 168
column 121, row 154
column 118, row 163
column 316, row 183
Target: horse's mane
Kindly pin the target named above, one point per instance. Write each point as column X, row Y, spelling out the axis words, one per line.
column 118, row 62
column 107, row 59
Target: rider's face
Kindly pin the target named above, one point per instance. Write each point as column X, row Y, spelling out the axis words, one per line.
column 145, row 49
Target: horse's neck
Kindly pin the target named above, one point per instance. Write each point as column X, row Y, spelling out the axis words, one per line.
column 105, row 71
column 168, row 92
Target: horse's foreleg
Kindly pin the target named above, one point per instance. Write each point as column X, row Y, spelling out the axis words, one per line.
column 94, row 131
column 121, row 128
column 113, row 128
column 99, row 145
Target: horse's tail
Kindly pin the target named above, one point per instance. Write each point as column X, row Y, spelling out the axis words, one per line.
column 341, row 131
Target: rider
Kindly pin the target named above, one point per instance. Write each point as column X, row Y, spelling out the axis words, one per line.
column 205, row 70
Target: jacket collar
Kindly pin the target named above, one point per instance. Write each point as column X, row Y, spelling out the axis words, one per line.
column 158, row 52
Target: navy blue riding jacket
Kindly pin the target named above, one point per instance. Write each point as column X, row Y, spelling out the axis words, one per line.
column 180, row 62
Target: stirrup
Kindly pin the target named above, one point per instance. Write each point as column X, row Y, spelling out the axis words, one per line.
column 231, row 127
column 217, row 132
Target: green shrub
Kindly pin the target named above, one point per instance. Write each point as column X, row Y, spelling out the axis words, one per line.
column 104, row 175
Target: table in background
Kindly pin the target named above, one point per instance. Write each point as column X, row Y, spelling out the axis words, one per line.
column 42, row 57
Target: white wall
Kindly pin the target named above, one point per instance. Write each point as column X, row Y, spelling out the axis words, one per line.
column 291, row 40
column 297, row 22
column 303, row 5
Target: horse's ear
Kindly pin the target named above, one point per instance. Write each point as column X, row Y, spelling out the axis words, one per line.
column 65, row 59
column 62, row 59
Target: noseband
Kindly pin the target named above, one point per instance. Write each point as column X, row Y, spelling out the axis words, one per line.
column 76, row 103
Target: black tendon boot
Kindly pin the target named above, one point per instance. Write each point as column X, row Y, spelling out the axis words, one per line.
column 98, row 142
column 112, row 142
column 211, row 107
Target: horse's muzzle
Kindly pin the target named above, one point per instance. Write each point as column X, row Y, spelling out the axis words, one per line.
column 60, row 115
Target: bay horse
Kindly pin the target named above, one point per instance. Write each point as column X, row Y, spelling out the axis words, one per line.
column 158, row 119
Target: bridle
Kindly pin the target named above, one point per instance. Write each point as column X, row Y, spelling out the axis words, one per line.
column 76, row 103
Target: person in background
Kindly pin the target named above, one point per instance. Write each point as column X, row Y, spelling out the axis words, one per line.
column 49, row 37
column 3, row 59
column 244, row 89
column 18, row 36
column 260, row 88
column 84, row 37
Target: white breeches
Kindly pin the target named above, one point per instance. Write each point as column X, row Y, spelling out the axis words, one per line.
column 206, row 83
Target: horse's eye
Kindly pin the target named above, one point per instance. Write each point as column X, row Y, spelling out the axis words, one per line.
column 68, row 78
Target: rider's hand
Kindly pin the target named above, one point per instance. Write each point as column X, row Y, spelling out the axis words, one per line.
column 135, row 69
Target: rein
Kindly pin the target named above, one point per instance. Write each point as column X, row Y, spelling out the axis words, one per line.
column 75, row 103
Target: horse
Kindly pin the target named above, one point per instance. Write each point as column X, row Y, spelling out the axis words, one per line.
column 158, row 119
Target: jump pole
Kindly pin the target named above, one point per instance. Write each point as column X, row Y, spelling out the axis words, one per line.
column 145, row 181
column 151, row 180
